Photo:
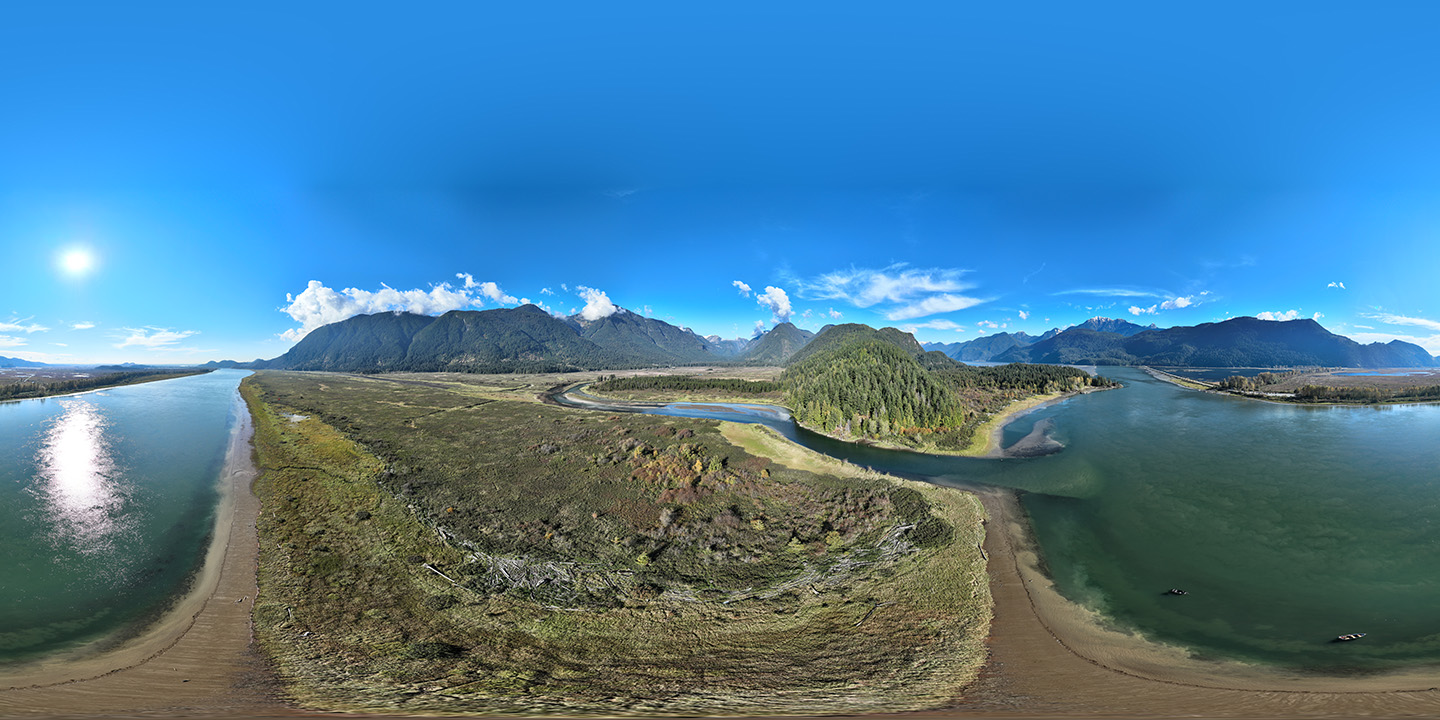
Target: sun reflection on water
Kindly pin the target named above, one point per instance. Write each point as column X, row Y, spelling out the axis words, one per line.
column 78, row 478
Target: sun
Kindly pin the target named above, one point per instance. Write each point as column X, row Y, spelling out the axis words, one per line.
column 77, row 262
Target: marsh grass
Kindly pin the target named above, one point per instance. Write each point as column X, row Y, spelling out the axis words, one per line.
column 433, row 545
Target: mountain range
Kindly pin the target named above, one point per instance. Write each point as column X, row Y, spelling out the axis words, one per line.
column 528, row 339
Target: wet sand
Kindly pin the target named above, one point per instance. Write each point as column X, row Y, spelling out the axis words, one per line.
column 197, row 660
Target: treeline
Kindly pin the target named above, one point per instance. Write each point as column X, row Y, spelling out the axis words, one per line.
column 1035, row 379
column 686, row 383
column 1321, row 393
column 34, row 389
column 869, row 389
column 1251, row 384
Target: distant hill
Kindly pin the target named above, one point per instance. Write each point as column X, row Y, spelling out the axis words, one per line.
column 833, row 336
column 776, row 346
column 990, row 347
column 639, row 337
column 1237, row 342
column 9, row 362
column 722, row 348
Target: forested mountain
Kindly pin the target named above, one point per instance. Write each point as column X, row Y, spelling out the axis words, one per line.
column 1123, row 328
column 364, row 343
column 522, row 339
column 1237, row 342
column 991, row 347
column 648, row 339
column 776, row 346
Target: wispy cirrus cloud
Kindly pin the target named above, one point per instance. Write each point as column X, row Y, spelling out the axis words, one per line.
column 1392, row 319
column 16, row 324
column 904, row 293
column 937, row 324
column 1112, row 292
column 9, row 341
column 154, row 338
column 1431, row 343
column 82, row 326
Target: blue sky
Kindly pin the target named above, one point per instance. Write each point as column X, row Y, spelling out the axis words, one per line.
column 183, row 183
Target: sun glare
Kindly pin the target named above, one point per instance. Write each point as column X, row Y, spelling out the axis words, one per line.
column 77, row 262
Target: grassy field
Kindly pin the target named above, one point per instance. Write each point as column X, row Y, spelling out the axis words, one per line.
column 445, row 544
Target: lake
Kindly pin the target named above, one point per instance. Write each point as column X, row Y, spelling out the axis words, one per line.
column 107, row 503
column 1287, row 525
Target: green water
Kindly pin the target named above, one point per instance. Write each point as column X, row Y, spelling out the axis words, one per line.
column 107, row 503
column 1287, row 525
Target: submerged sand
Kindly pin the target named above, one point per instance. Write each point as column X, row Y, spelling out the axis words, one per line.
column 197, row 659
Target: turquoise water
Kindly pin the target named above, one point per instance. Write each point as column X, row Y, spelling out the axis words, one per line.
column 1287, row 525
column 107, row 502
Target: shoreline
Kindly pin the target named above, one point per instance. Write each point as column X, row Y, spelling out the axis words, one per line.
column 197, row 657
column 1050, row 656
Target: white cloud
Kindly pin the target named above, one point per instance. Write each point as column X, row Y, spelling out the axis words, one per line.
column 915, row 293
column 17, row 325
column 836, row 314
column 1336, row 284
column 154, row 338
column 82, row 326
column 1279, row 316
column 597, row 303
column 1317, row 316
column 1024, row 315
column 759, row 328
column 776, row 301
column 7, row 341
column 318, row 305
column 742, row 287
column 987, row 324
column 546, row 291
column 940, row 324
column 1174, row 303
column 487, row 289
column 648, row 312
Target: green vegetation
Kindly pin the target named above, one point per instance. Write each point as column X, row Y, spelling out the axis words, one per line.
column 867, row 386
column 442, row 547
column 44, row 387
column 1371, row 394
column 1240, row 383
column 689, row 384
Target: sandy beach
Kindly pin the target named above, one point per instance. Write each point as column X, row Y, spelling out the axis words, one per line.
column 197, row 659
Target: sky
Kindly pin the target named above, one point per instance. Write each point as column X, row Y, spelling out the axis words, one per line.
column 182, row 183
